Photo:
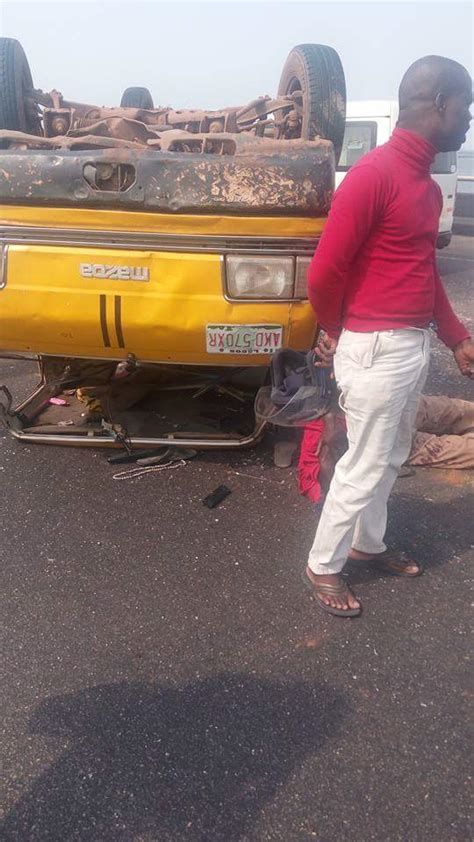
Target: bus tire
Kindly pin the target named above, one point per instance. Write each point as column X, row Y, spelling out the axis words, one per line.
column 136, row 98
column 18, row 110
column 316, row 71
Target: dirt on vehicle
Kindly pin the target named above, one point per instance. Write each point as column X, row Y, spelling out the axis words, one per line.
column 272, row 153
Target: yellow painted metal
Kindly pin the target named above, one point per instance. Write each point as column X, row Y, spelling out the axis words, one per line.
column 47, row 307
column 134, row 221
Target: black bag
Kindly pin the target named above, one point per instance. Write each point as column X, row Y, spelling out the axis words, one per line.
column 299, row 391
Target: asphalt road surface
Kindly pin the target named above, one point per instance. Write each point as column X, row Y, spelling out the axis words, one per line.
column 166, row 676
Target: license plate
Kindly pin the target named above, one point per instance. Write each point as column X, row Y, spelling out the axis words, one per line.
column 243, row 339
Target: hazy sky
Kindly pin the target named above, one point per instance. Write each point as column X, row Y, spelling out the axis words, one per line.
column 216, row 54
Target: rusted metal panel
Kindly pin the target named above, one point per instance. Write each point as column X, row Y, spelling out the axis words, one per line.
column 261, row 177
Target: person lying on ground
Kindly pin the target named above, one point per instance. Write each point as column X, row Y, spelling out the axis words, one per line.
column 443, row 438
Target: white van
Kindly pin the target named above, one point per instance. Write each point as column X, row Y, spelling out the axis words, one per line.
column 369, row 124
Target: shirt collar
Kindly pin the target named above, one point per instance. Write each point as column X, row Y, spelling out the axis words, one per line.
column 414, row 148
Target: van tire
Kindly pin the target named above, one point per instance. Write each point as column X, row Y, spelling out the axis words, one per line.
column 18, row 111
column 316, row 71
column 136, row 98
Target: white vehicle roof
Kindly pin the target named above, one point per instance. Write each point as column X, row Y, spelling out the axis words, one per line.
column 359, row 109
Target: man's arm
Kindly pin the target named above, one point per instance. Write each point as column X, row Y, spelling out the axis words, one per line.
column 450, row 330
column 355, row 209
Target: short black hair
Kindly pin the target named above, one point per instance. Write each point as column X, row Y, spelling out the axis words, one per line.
column 429, row 76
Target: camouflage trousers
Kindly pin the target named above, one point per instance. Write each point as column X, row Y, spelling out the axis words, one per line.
column 445, row 433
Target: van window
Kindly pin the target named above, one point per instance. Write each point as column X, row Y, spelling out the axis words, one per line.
column 445, row 162
column 359, row 138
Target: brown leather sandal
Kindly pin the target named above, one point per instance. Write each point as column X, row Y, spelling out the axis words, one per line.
column 393, row 563
column 341, row 589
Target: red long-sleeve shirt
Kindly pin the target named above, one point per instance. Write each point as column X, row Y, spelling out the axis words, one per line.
column 375, row 266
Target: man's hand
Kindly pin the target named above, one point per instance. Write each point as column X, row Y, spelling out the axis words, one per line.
column 325, row 350
column 464, row 356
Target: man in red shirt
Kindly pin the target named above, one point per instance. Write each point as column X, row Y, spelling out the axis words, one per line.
column 376, row 291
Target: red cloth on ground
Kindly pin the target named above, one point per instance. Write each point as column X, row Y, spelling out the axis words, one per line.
column 309, row 464
column 375, row 267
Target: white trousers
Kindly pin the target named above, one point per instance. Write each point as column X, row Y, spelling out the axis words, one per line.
column 381, row 376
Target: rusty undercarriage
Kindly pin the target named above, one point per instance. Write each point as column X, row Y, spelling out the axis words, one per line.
column 278, row 119
column 271, row 154
column 310, row 103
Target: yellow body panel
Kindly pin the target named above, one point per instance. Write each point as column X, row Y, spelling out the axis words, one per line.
column 112, row 220
column 48, row 307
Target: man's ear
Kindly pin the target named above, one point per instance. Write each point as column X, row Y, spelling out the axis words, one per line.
column 440, row 102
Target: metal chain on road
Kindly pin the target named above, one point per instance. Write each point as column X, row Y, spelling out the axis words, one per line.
column 138, row 473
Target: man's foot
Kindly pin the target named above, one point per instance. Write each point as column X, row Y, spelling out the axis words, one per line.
column 332, row 594
column 395, row 563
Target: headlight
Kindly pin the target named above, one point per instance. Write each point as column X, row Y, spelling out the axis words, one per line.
column 260, row 277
